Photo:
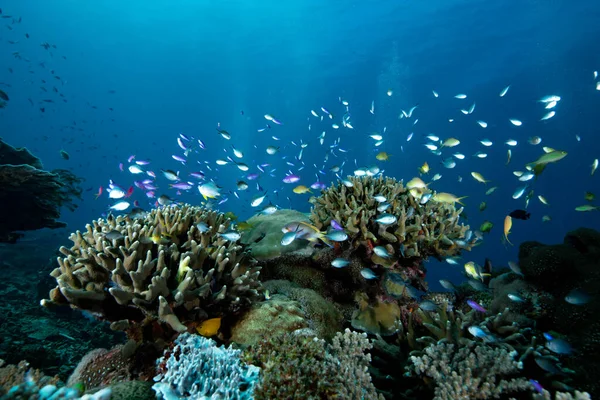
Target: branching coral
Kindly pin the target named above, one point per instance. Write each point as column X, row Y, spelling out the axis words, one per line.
column 197, row 369
column 159, row 267
column 296, row 366
column 420, row 230
column 471, row 371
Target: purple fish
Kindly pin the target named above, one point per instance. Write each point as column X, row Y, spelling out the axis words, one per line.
column 318, row 186
column 476, row 306
column 121, row 166
column 336, row 225
column 139, row 185
column 179, row 158
column 131, row 158
column 150, row 195
column 151, row 173
column 197, row 175
column 291, row 178
column 182, row 186
column 252, row 177
column 536, row 385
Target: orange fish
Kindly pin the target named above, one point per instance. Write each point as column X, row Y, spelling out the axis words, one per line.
column 99, row 193
column 210, row 327
column 507, row 226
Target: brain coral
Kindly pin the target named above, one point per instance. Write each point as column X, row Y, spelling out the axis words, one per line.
column 159, row 267
column 418, row 230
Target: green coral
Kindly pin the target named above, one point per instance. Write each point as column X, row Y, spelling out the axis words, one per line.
column 263, row 237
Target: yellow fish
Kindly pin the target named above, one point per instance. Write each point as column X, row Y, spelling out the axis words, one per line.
column 210, row 327
column 424, row 168
column 474, row 271
column 451, row 142
column 383, row 156
column 447, row 198
column 416, row 183
column 301, row 189
column 478, row 177
column 507, row 226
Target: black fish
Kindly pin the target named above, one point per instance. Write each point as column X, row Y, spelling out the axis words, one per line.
column 520, row 214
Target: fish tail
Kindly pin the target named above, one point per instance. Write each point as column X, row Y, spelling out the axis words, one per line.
column 459, row 200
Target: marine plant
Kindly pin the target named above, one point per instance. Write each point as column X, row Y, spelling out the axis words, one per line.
column 158, row 269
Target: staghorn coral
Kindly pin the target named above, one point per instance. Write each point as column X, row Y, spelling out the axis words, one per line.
column 577, row 395
column 197, row 369
column 421, row 230
column 297, row 366
column 470, row 371
column 156, row 268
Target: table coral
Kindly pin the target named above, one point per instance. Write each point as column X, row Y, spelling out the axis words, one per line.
column 32, row 197
column 159, row 268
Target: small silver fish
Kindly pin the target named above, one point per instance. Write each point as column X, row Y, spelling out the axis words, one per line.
column 368, row 273
column 337, row 236
column 446, row 284
column 386, row 219
column 577, row 297
column 516, row 298
column 428, row 306
column 202, row 227
column 559, row 346
column 231, row 236
column 381, row 252
column 340, row 262
column 288, row 238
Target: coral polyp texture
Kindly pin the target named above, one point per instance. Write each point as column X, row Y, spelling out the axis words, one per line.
column 197, row 369
column 472, row 371
column 416, row 225
column 158, row 267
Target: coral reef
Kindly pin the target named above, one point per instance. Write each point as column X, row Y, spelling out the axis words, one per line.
column 297, row 366
column 419, row 229
column 32, row 197
column 197, row 369
column 552, row 272
column 159, row 268
column 273, row 317
column 15, row 375
column 471, row 371
column 102, row 367
column 263, row 239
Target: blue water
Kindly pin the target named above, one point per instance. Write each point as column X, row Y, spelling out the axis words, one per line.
column 167, row 68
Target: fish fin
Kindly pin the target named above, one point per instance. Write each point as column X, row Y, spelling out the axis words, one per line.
column 459, row 200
